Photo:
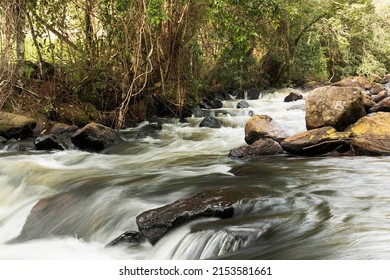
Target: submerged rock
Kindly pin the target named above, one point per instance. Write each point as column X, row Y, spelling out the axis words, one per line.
column 242, row 105
column 211, row 121
column 95, row 137
column 16, row 126
column 337, row 107
column 371, row 135
column 262, row 147
column 155, row 223
column 263, row 126
column 317, row 142
column 129, row 237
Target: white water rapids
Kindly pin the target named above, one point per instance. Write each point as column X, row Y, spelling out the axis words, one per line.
column 298, row 208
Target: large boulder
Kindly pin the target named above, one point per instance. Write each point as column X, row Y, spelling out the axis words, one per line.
column 356, row 81
column 155, row 223
column 262, row 147
column 371, row 135
column 263, row 126
column 16, row 126
column 95, row 137
column 381, row 106
column 317, row 142
column 337, row 107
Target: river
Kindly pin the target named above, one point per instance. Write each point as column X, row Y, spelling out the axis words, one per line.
column 295, row 208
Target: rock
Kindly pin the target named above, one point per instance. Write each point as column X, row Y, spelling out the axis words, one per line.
column 239, row 94
column 24, row 145
column 262, row 147
column 382, row 106
column 386, row 79
column 380, row 96
column 368, row 102
column 95, row 137
column 155, row 223
column 263, row 126
column 317, row 142
column 149, row 130
column 61, row 128
column 129, row 237
column 371, row 135
column 242, row 105
column 49, row 142
column 377, row 88
column 16, row 126
column 293, row 96
column 253, row 94
column 72, row 115
column 357, row 81
column 301, row 107
column 210, row 121
column 337, row 107
column 216, row 104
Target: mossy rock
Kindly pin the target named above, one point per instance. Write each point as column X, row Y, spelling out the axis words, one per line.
column 72, row 115
column 16, row 126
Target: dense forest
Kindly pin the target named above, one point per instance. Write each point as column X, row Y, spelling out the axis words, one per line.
column 133, row 58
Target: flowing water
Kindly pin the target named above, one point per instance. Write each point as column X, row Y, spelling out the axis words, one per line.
column 294, row 207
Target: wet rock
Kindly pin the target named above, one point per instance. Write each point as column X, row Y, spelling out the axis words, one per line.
column 242, row 105
column 262, row 147
column 317, row 142
column 263, row 126
column 293, row 96
column 253, row 94
column 380, row 96
column 216, row 104
column 155, row 223
column 382, row 106
column 337, row 107
column 301, row 107
column 371, row 135
column 357, row 81
column 149, row 130
column 239, row 94
column 16, row 126
column 129, row 237
column 377, row 88
column 49, row 142
column 210, row 121
column 95, row 137
column 24, row 145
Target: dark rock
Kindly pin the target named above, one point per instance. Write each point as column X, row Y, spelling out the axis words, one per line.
column 49, row 142
column 61, row 128
column 293, row 96
column 211, row 121
column 204, row 104
column 316, row 142
column 16, row 126
column 337, row 107
column 371, row 135
column 380, row 96
column 129, row 237
column 222, row 94
column 262, row 147
column 242, row 104
column 149, row 130
column 377, row 88
column 216, row 104
column 263, row 126
column 95, row 137
column 382, row 106
column 239, row 94
column 253, row 93
column 155, row 223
